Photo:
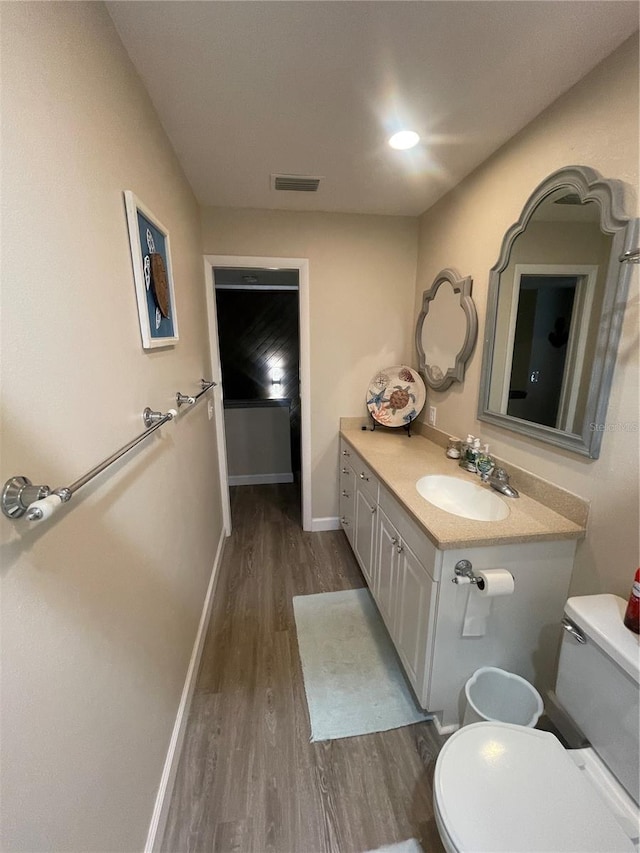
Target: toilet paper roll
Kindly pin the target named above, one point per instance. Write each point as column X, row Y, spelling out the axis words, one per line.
column 496, row 583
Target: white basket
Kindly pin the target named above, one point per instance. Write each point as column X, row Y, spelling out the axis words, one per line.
column 498, row 696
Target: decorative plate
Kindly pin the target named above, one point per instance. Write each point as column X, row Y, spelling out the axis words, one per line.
column 396, row 396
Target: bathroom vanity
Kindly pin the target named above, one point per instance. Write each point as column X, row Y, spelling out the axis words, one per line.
column 408, row 548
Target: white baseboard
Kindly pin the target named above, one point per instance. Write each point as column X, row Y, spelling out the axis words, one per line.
column 259, row 479
column 329, row 523
column 444, row 730
column 167, row 780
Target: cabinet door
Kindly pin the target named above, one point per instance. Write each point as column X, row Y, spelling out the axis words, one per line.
column 364, row 545
column 413, row 609
column 347, row 501
column 387, row 542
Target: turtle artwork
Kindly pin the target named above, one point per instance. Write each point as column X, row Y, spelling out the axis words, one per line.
column 399, row 398
column 160, row 283
column 396, row 396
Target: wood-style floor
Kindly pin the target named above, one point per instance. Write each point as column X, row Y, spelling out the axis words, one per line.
column 249, row 780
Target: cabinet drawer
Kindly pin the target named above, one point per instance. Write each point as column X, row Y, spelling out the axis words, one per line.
column 365, row 478
column 412, row 534
column 347, row 481
column 346, row 453
column 347, row 518
column 347, row 499
column 347, row 524
column 347, row 503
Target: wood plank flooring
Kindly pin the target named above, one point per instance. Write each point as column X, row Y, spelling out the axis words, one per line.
column 249, row 780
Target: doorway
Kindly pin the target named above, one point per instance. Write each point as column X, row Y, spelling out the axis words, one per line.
column 259, row 334
column 259, row 341
column 550, row 341
column 540, row 347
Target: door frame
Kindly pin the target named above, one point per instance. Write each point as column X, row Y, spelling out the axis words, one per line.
column 587, row 275
column 239, row 262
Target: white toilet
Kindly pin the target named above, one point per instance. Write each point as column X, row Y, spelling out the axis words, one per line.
column 500, row 787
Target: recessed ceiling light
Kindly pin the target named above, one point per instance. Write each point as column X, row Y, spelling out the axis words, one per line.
column 404, row 139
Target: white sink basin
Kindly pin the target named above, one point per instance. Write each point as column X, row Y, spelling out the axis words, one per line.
column 461, row 498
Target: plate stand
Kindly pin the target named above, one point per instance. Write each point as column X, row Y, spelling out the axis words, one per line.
column 374, row 422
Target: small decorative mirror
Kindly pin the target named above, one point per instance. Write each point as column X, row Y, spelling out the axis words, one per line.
column 554, row 313
column 446, row 330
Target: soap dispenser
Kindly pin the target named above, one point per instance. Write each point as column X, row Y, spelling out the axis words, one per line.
column 484, row 463
column 464, row 449
column 474, row 456
column 468, row 455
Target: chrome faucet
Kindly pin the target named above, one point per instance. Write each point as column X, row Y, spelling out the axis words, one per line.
column 498, row 479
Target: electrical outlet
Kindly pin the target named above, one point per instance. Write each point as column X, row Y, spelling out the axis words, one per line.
column 432, row 415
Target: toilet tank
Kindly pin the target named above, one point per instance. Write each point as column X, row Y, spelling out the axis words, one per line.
column 598, row 683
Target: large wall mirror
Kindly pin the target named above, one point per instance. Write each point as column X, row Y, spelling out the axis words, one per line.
column 446, row 330
column 556, row 300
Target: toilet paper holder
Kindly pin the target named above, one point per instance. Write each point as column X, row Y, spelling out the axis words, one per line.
column 464, row 574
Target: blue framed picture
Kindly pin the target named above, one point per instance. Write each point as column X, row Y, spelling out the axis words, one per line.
column 152, row 273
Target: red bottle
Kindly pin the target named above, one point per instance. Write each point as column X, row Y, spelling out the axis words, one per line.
column 632, row 616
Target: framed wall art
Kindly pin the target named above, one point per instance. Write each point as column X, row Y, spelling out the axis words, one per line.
column 151, row 258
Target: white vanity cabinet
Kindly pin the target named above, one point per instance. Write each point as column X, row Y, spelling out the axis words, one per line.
column 406, row 590
column 404, row 595
column 415, row 612
column 358, row 508
column 397, row 561
column 426, row 614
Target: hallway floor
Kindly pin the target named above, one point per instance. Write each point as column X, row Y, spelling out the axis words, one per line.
column 248, row 779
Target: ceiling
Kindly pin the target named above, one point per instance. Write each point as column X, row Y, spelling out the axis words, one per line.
column 246, row 89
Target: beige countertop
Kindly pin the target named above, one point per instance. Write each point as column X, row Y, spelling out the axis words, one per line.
column 399, row 461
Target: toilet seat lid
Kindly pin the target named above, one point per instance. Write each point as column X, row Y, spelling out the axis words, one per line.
column 510, row 789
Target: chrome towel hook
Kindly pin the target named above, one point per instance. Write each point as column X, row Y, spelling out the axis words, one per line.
column 181, row 399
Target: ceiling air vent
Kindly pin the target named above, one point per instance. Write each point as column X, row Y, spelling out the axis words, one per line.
column 295, row 183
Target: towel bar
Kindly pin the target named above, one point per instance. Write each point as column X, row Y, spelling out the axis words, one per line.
column 20, row 496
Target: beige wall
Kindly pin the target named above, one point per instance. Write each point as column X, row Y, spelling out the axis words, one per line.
column 361, row 278
column 595, row 124
column 258, row 442
column 100, row 606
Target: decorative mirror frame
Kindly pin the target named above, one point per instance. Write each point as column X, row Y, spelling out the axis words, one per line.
column 611, row 195
column 456, row 372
